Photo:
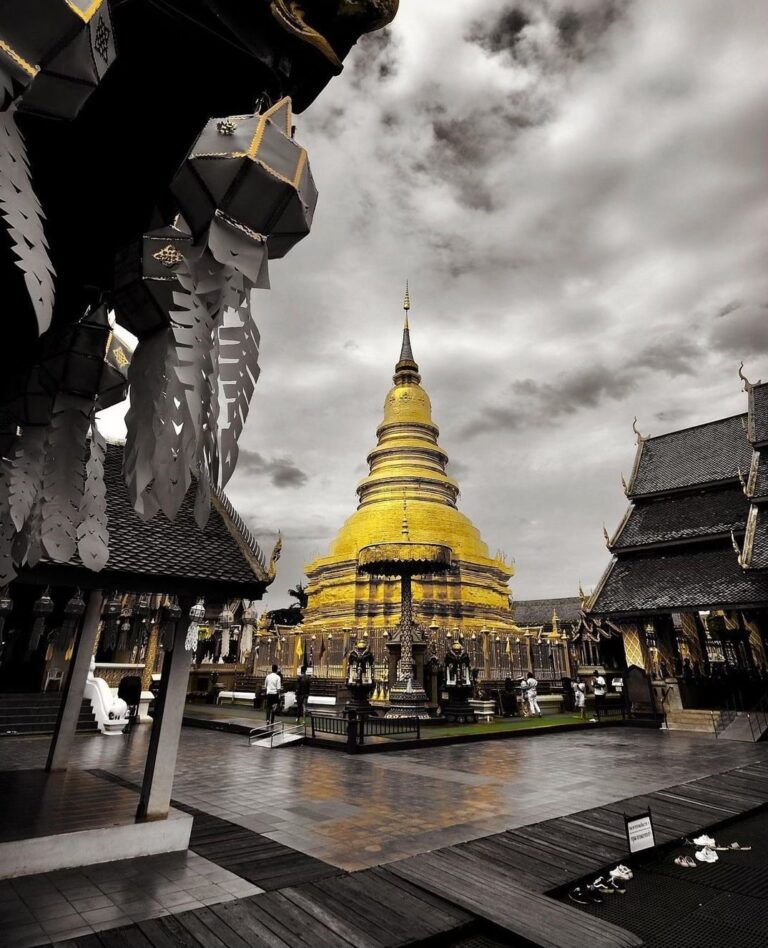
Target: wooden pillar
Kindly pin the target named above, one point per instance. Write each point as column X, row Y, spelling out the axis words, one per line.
column 156, row 787
column 77, row 675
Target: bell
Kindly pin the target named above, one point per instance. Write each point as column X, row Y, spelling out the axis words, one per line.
column 55, row 54
column 248, row 170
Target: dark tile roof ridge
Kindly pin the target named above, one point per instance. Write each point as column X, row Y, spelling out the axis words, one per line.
column 703, row 424
column 240, row 532
column 597, row 591
column 528, row 602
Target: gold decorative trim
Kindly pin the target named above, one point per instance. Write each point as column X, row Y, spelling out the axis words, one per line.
column 9, row 51
column 87, row 14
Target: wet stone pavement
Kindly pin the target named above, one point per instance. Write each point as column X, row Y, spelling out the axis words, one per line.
column 360, row 811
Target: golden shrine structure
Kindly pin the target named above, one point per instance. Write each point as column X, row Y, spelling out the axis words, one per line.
column 408, row 478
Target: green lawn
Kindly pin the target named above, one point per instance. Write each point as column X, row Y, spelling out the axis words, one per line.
column 508, row 724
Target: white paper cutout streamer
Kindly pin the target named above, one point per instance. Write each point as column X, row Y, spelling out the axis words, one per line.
column 63, row 480
column 24, row 217
column 92, row 533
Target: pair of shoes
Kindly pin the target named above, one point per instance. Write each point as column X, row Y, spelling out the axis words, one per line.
column 593, row 720
column 583, row 895
column 686, row 862
column 706, row 855
column 603, row 887
column 621, row 872
column 734, row 847
column 704, row 840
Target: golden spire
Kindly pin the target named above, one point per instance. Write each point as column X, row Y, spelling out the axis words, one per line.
column 406, row 362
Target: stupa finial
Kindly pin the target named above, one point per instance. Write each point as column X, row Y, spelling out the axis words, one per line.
column 406, row 360
column 406, row 303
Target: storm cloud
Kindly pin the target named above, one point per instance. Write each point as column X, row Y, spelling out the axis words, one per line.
column 578, row 193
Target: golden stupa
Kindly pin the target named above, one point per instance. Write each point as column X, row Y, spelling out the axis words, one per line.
column 407, row 488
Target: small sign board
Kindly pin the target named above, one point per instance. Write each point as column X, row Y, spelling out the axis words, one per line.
column 640, row 832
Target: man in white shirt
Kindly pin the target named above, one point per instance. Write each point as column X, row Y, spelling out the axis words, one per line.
column 600, row 690
column 531, row 695
column 273, row 685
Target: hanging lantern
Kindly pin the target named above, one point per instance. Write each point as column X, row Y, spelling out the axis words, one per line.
column 87, row 360
column 171, row 616
column 247, row 173
column 226, row 618
column 196, row 615
column 73, row 613
column 145, row 279
column 41, row 610
column 141, row 611
column 56, row 55
column 6, row 607
column 125, row 631
column 111, row 616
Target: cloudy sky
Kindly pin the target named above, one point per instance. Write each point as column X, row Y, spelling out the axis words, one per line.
column 577, row 193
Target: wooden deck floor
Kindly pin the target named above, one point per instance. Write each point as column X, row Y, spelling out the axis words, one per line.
column 503, row 879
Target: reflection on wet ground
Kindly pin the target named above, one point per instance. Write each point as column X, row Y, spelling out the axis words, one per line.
column 360, row 811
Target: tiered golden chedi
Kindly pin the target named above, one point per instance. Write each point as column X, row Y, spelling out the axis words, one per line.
column 407, row 484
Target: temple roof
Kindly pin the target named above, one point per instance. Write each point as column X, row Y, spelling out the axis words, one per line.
column 530, row 612
column 704, row 454
column 758, row 413
column 681, row 517
column 166, row 554
column 758, row 478
column 678, row 581
column 755, row 551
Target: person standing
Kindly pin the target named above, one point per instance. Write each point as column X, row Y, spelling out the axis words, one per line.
column 302, row 694
column 273, row 684
column 600, row 689
column 532, row 695
column 580, row 697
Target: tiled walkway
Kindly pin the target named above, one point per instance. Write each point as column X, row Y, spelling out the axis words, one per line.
column 399, row 804
column 73, row 902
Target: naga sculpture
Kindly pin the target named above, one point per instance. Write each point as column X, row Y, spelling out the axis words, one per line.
column 148, row 166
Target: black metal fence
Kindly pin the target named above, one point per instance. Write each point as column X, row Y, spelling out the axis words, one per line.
column 356, row 728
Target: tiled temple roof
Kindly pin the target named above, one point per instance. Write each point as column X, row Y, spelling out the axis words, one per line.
column 224, row 552
column 678, row 581
column 755, row 550
column 681, row 517
column 529, row 612
column 704, row 454
column 758, row 413
column 758, row 476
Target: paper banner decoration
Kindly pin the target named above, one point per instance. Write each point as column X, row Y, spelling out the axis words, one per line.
column 24, row 219
column 92, row 532
column 54, row 53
